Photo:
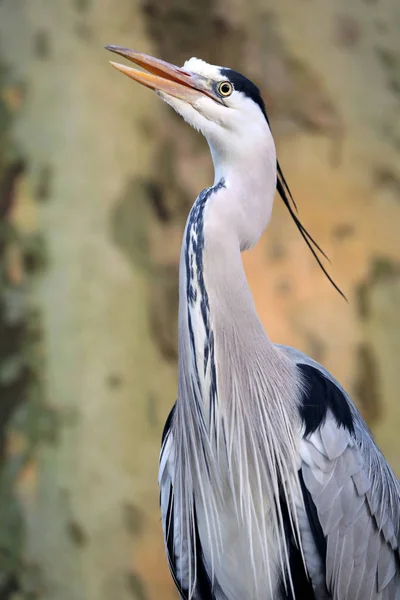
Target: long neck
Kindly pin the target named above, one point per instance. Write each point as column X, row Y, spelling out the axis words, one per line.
column 219, row 329
column 226, row 219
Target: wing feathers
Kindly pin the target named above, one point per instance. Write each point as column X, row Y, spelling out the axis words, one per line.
column 386, row 567
column 360, row 563
column 362, row 483
column 334, row 445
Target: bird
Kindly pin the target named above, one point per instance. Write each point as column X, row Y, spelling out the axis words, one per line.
column 271, row 484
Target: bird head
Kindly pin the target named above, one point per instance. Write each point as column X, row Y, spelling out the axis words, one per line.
column 222, row 104
column 228, row 110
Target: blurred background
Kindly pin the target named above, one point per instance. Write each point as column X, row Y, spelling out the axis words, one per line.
column 96, row 180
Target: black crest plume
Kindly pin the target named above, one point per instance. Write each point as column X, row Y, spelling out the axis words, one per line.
column 285, row 194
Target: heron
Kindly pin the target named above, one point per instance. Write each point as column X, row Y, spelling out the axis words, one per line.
column 271, row 484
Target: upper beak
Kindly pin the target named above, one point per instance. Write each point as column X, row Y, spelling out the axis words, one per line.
column 163, row 76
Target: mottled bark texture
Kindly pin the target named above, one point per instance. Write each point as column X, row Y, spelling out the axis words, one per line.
column 90, row 500
column 23, row 414
column 111, row 174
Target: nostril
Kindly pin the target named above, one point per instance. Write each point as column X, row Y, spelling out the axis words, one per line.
column 183, row 72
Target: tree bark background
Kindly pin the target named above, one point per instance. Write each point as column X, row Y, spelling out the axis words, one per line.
column 110, row 176
column 95, row 487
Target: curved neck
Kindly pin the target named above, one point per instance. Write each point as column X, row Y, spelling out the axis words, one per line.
column 216, row 306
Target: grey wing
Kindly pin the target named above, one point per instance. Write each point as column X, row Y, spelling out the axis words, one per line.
column 177, row 561
column 356, row 517
column 356, row 498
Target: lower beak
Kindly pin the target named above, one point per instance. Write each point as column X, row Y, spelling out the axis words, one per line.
column 162, row 76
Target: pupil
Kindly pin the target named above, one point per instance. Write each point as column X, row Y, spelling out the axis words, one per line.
column 225, row 88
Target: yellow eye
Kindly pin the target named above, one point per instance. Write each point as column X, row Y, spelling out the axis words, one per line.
column 225, row 88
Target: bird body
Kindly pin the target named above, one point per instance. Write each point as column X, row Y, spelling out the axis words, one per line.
column 272, row 487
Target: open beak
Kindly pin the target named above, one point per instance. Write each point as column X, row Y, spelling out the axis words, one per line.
column 163, row 77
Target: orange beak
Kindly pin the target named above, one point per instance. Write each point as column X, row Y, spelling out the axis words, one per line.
column 164, row 77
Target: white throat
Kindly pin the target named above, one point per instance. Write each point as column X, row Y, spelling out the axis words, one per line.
column 248, row 168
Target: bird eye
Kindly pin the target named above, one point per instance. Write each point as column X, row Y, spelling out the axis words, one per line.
column 225, row 88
